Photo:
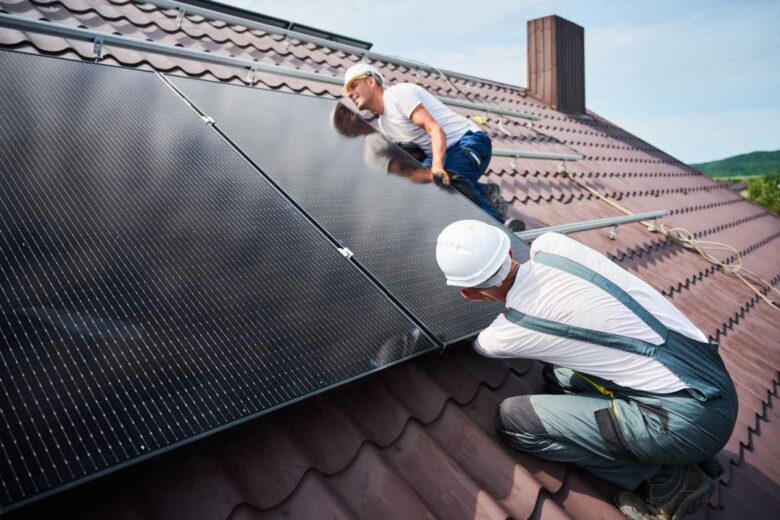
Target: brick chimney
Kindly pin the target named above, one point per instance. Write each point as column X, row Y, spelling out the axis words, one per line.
column 556, row 63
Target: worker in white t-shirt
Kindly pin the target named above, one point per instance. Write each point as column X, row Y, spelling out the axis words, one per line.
column 638, row 396
column 456, row 150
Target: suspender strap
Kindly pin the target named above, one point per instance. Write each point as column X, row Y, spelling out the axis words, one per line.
column 582, row 272
column 605, row 339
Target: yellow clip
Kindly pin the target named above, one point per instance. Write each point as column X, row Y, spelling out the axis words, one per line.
column 601, row 389
column 479, row 120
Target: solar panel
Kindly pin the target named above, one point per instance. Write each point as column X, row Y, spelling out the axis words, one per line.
column 154, row 286
column 362, row 189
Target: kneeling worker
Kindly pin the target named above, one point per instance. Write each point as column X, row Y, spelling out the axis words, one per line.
column 637, row 396
column 453, row 144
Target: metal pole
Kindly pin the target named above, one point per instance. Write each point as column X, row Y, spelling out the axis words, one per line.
column 528, row 154
column 23, row 23
column 272, row 29
column 588, row 225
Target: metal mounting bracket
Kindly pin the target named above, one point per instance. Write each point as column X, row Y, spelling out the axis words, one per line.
column 346, row 252
column 250, row 76
column 97, row 47
column 529, row 235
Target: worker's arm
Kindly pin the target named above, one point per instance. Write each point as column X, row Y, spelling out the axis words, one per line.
column 422, row 118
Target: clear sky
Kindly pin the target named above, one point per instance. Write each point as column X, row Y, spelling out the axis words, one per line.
column 698, row 79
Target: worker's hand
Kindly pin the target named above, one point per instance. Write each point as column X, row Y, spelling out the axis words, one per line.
column 441, row 177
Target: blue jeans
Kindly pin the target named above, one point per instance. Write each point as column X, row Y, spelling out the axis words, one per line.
column 468, row 159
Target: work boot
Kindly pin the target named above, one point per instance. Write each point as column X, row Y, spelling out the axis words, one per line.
column 671, row 495
column 492, row 193
column 633, row 506
column 515, row 225
column 712, row 467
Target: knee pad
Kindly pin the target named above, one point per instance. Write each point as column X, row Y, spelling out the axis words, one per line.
column 517, row 415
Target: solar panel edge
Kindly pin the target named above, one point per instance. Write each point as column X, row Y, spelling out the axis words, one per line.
column 16, row 506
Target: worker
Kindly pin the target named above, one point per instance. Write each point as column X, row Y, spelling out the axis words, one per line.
column 637, row 395
column 455, row 148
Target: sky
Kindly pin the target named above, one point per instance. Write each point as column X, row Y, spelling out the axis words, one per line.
column 698, row 79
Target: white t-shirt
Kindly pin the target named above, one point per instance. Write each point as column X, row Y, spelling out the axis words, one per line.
column 401, row 100
column 549, row 293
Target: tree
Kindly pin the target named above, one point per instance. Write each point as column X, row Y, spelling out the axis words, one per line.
column 766, row 191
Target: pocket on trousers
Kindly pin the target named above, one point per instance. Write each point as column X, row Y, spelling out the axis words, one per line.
column 611, row 432
column 475, row 159
column 656, row 419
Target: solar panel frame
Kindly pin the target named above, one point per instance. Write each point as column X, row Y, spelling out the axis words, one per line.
column 108, row 107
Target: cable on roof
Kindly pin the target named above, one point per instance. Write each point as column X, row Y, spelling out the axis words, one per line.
column 684, row 238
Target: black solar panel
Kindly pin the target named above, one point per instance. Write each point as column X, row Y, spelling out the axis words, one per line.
column 154, row 286
column 360, row 188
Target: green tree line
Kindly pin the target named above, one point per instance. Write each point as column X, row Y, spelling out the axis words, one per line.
column 766, row 191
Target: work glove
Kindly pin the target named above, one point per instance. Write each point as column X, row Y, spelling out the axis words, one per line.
column 441, row 178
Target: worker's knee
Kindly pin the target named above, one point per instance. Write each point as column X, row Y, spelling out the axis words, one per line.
column 516, row 415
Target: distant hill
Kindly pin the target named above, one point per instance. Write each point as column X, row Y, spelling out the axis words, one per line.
column 749, row 164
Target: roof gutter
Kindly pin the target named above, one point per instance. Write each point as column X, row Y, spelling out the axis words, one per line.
column 23, row 23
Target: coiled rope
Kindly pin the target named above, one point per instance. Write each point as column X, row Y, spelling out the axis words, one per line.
column 682, row 237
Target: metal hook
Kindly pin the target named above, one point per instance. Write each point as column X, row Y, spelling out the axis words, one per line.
column 97, row 48
column 179, row 17
column 613, row 232
column 250, row 76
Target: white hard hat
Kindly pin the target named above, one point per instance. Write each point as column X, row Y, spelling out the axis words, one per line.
column 470, row 252
column 358, row 71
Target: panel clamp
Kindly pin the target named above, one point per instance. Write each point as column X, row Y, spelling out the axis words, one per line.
column 250, row 76
column 180, row 13
column 346, row 252
column 97, row 48
column 208, row 120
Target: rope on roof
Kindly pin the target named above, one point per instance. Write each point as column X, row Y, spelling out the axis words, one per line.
column 705, row 248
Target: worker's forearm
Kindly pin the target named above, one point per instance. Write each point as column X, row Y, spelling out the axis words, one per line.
column 439, row 148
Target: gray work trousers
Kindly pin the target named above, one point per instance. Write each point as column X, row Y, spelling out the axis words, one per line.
column 623, row 439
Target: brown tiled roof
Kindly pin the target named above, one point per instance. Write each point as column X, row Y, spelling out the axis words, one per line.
column 418, row 440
